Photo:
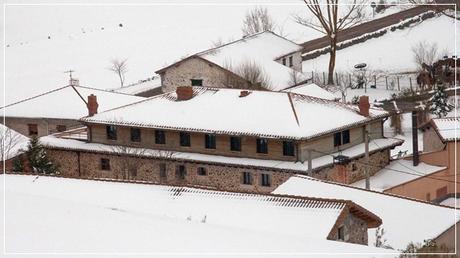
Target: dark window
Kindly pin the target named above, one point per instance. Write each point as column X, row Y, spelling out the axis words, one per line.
column 288, row 148
column 33, row 129
column 105, row 164
column 265, row 180
column 262, row 145
column 346, row 137
column 160, row 137
column 197, row 82
column 247, row 178
column 354, row 167
column 337, row 139
column 184, row 139
column 180, row 172
column 209, row 141
column 111, row 132
column 201, row 171
column 235, row 143
column 341, row 233
column 162, row 170
column 61, row 128
column 135, row 134
column 284, row 61
column 341, row 138
column 291, row 63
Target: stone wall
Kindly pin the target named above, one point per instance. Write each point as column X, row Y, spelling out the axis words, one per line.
column 45, row 126
column 197, row 68
column 88, row 165
column 431, row 140
column 354, row 228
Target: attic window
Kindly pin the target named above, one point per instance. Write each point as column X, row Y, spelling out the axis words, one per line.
column 262, row 145
column 288, row 148
column 284, row 61
column 33, row 129
column 111, row 131
column 135, row 134
column 197, row 82
column 341, row 138
column 184, row 139
column 210, row 141
column 291, row 63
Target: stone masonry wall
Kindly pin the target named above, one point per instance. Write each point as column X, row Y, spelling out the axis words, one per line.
column 148, row 169
column 355, row 230
column 196, row 68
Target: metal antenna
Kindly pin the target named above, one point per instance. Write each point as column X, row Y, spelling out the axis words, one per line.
column 70, row 73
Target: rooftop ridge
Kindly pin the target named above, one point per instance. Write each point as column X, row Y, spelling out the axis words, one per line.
column 34, row 97
column 374, row 191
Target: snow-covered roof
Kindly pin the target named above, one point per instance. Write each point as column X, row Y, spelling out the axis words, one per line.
column 404, row 220
column 67, row 102
column 452, row 202
column 356, row 151
column 139, row 87
column 447, row 128
column 222, row 111
column 262, row 49
column 311, row 89
column 13, row 143
column 396, row 173
column 146, row 219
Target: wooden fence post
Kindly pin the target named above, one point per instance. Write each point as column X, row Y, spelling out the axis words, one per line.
column 397, row 78
column 410, row 83
column 375, row 81
column 386, row 82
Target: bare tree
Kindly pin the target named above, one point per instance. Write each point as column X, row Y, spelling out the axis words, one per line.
column 425, row 53
column 257, row 20
column 253, row 73
column 9, row 140
column 119, row 67
column 329, row 19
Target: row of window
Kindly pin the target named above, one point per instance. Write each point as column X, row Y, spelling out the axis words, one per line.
column 341, row 138
column 291, row 61
column 209, row 140
column 181, row 172
column 33, row 129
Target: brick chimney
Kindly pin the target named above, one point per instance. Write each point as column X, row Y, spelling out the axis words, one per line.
column 92, row 105
column 364, row 105
column 244, row 93
column 184, row 93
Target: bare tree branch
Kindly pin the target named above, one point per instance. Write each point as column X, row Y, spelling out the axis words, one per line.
column 119, row 67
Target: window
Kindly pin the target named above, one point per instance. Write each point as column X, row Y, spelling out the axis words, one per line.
column 235, row 143
column 209, row 141
column 33, row 129
column 247, row 178
column 135, row 134
column 160, row 137
column 201, row 171
column 346, row 137
column 180, row 172
column 288, row 148
column 162, row 167
column 61, row 128
column 284, row 61
column 265, row 180
column 197, row 82
column 105, row 164
column 341, row 233
column 111, row 132
column 341, row 138
column 184, row 139
column 262, row 145
column 291, row 63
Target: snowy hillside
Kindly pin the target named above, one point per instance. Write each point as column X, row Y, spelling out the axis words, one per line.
column 392, row 52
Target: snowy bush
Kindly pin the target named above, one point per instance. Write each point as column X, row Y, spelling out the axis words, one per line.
column 440, row 105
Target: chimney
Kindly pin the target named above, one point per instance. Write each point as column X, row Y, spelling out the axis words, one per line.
column 92, row 105
column 415, row 155
column 364, row 105
column 74, row 82
column 184, row 92
column 244, row 93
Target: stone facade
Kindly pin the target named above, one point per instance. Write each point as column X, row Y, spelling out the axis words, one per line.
column 354, row 229
column 296, row 60
column 88, row 165
column 431, row 140
column 45, row 126
column 211, row 75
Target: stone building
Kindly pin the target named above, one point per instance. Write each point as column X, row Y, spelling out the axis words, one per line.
column 59, row 110
column 226, row 139
column 278, row 60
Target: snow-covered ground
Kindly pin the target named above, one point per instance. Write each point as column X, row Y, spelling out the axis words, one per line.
column 68, row 215
column 393, row 51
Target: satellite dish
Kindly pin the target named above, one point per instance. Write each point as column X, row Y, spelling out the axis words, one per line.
column 360, row 66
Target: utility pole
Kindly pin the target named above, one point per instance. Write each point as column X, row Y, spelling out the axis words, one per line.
column 366, row 150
